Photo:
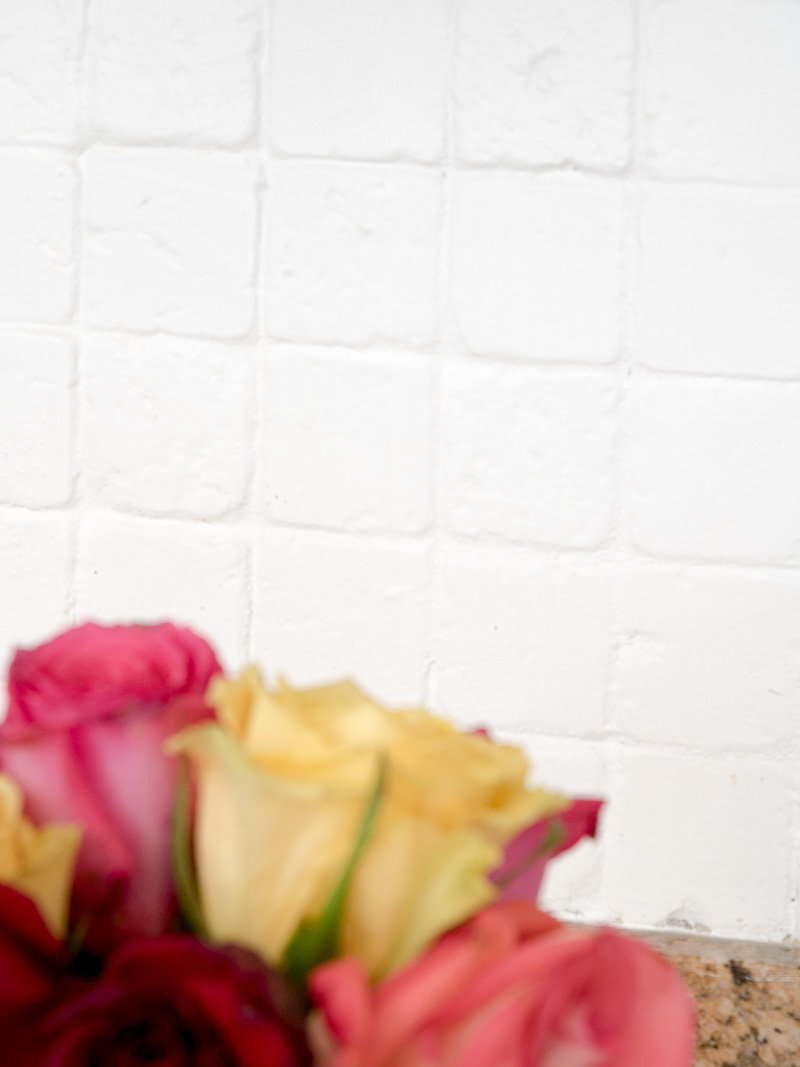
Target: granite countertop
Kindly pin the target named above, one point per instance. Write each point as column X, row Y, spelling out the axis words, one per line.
column 748, row 999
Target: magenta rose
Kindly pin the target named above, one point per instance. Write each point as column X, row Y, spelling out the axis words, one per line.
column 519, row 877
column 88, row 714
column 513, row 986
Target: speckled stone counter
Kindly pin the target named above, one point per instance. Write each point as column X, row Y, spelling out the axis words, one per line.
column 748, row 999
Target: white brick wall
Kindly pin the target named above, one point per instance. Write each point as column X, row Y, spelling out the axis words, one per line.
column 450, row 344
column 169, row 241
column 38, row 216
column 180, row 72
column 351, row 254
column 535, row 266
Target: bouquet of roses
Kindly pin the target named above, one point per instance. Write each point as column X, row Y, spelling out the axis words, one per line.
column 197, row 869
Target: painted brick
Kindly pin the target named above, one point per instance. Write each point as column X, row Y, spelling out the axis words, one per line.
column 573, row 883
column 355, row 79
column 720, row 277
column 174, row 70
column 37, row 215
column 170, row 241
column 544, row 83
column 507, row 634
column 330, row 607
column 528, row 454
column 536, row 266
column 334, row 303
column 713, row 469
column 36, row 423
column 34, row 580
column 168, row 424
column 700, row 844
column 135, row 570
column 39, row 54
column 708, row 658
column 347, row 439
column 723, row 95
column 352, row 254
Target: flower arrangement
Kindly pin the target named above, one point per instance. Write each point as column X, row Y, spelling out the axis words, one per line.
column 197, row 869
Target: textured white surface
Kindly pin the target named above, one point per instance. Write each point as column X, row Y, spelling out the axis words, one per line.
column 506, row 427
column 453, row 345
column 38, row 213
column 328, row 606
column 715, row 469
column 536, row 266
column 361, row 80
column 41, row 74
column 722, row 89
column 36, row 550
column 129, row 569
column 521, row 642
column 720, row 283
column 179, row 72
column 36, row 418
column 144, row 397
column 170, row 241
column 544, row 83
column 357, row 452
column 727, row 816
column 352, row 254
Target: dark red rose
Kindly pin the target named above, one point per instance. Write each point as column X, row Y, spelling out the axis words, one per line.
column 32, row 961
column 88, row 715
column 166, row 1002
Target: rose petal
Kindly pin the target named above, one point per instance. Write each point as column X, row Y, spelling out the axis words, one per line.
column 342, row 988
column 521, row 872
column 31, row 959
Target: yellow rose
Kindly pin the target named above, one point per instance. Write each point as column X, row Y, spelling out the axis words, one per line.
column 284, row 780
column 39, row 862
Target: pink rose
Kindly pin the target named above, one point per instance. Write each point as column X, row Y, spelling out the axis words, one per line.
column 88, row 715
column 511, row 986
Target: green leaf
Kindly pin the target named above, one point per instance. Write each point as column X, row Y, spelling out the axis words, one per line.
column 77, row 935
column 317, row 940
column 556, row 832
column 182, row 861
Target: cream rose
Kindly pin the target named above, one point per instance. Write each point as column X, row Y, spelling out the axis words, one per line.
column 39, row 862
column 284, row 779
